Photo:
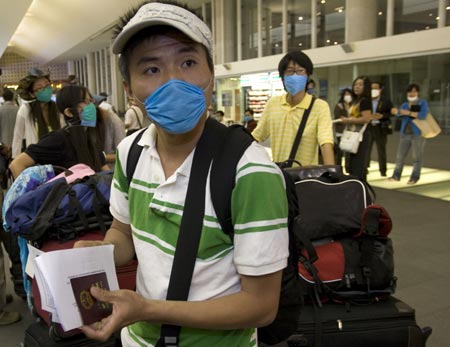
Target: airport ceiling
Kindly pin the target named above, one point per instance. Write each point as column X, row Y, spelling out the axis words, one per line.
column 55, row 31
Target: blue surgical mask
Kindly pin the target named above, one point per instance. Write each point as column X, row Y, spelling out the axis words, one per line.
column 295, row 83
column 176, row 106
column 247, row 119
column 89, row 116
column 45, row 94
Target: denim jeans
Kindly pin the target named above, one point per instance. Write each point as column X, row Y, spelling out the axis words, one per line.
column 417, row 144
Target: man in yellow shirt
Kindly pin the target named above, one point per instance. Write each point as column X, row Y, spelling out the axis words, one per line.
column 282, row 116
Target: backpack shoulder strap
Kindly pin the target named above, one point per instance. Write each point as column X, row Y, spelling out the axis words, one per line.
column 133, row 156
column 223, row 173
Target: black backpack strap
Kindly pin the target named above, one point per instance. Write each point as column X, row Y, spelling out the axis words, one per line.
column 46, row 213
column 133, row 156
column 223, row 173
column 298, row 137
column 191, row 225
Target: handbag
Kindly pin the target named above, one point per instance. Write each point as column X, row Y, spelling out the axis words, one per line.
column 428, row 127
column 350, row 140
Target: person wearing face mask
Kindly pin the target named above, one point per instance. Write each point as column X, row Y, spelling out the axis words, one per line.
column 81, row 141
column 282, row 116
column 359, row 115
column 312, row 87
column 380, row 128
column 410, row 134
column 37, row 114
column 249, row 122
column 166, row 64
column 341, row 110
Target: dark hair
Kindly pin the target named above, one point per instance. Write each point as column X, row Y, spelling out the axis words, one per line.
column 25, row 90
column 145, row 34
column 312, row 81
column 69, row 97
column 249, row 110
column 413, row 86
column 8, row 95
column 221, row 112
column 86, row 144
column 366, row 88
column 379, row 84
column 297, row 57
column 343, row 91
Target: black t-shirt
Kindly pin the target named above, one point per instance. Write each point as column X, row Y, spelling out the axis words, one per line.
column 54, row 148
column 365, row 104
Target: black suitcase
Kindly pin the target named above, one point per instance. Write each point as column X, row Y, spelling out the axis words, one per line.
column 38, row 334
column 389, row 323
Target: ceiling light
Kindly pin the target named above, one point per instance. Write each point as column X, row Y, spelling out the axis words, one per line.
column 300, row 44
column 335, row 43
column 430, row 14
column 300, row 18
column 339, row 9
column 447, row 8
column 323, row 2
column 380, row 13
column 328, row 41
column 437, row 18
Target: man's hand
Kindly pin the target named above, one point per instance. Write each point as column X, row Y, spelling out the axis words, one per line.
column 90, row 243
column 127, row 306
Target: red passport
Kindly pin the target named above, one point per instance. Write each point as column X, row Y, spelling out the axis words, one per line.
column 91, row 309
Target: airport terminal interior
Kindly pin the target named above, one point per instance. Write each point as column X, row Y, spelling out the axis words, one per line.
column 394, row 42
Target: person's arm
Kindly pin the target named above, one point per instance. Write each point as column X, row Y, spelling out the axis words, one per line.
column 366, row 114
column 19, row 130
column 254, row 306
column 327, row 150
column 119, row 235
column 20, row 163
column 422, row 114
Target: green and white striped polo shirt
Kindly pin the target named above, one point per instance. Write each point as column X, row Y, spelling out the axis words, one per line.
column 154, row 205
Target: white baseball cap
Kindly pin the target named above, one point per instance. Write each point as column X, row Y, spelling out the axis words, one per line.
column 154, row 13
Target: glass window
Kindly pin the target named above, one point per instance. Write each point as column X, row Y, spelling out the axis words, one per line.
column 299, row 25
column 381, row 17
column 249, row 15
column 330, row 22
column 204, row 10
column 447, row 11
column 415, row 15
column 272, row 30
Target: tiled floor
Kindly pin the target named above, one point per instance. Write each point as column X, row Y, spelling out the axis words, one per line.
column 433, row 183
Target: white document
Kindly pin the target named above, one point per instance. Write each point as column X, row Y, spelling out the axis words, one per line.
column 54, row 270
column 33, row 252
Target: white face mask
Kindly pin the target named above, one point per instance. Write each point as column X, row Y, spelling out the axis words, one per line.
column 348, row 98
column 375, row 93
column 412, row 98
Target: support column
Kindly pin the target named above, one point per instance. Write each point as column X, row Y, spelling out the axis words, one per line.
column 442, row 13
column 90, row 70
column 71, row 68
column 118, row 97
column 260, row 44
column 239, row 29
column 285, row 26
column 390, row 17
column 313, row 24
column 360, row 20
column 229, row 31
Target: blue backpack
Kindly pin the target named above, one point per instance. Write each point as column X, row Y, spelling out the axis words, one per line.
column 62, row 211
